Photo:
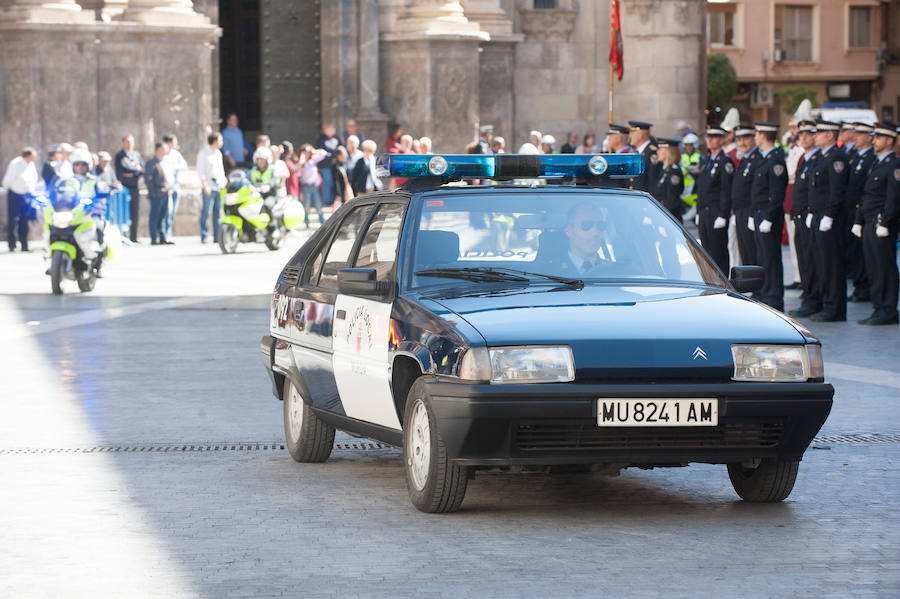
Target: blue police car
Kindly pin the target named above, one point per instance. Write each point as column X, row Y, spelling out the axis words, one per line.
column 530, row 326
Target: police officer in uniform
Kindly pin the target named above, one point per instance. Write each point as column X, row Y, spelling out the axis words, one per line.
column 811, row 296
column 670, row 182
column 877, row 222
column 643, row 145
column 861, row 160
column 262, row 175
column 714, row 198
column 741, row 183
column 827, row 201
column 767, row 200
column 90, row 188
column 484, row 144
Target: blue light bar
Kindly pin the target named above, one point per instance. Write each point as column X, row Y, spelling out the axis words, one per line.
column 510, row 166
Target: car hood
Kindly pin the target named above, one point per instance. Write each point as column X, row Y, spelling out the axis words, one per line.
column 638, row 332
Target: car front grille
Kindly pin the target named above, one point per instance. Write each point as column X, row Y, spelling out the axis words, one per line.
column 588, row 436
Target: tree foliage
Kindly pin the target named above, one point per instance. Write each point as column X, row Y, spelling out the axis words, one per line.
column 721, row 80
column 792, row 96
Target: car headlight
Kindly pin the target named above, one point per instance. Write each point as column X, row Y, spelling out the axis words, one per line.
column 526, row 364
column 777, row 363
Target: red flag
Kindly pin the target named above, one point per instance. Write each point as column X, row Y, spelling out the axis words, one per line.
column 616, row 53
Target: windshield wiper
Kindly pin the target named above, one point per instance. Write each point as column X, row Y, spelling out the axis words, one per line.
column 563, row 280
column 487, row 275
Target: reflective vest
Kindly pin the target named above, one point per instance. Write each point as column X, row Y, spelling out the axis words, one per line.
column 87, row 187
column 689, row 195
column 258, row 178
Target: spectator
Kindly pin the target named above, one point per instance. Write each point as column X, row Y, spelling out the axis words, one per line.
column 427, row 147
column 353, row 152
column 292, row 183
column 311, row 179
column 263, row 141
column 683, row 129
column 329, row 142
column 498, row 145
column 571, row 144
column 547, row 142
column 64, row 167
column 105, row 171
column 157, row 188
column 587, row 144
column 279, row 167
column 48, row 171
column 129, row 167
column 363, row 178
column 173, row 164
column 343, row 191
column 233, row 144
column 416, row 146
column 532, row 145
column 484, row 144
column 211, row 172
column 406, row 144
column 392, row 145
column 351, row 130
column 20, row 180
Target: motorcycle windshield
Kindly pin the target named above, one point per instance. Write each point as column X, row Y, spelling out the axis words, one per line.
column 65, row 202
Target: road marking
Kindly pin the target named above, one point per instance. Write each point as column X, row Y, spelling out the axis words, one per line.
column 861, row 374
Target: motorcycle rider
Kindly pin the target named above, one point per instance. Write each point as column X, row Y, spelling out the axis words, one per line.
column 92, row 189
column 262, row 175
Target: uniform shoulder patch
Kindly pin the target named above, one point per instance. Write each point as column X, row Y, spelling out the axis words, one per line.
column 897, row 174
column 654, row 158
column 778, row 169
column 729, row 167
column 838, row 166
column 675, row 179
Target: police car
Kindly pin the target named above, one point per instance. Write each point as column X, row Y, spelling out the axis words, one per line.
column 526, row 327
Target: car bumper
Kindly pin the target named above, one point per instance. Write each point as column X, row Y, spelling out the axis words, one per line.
column 494, row 425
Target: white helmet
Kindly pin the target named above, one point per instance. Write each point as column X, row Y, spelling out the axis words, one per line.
column 548, row 139
column 264, row 153
column 79, row 155
column 690, row 138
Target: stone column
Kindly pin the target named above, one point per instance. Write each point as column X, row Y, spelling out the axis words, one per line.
column 429, row 73
column 36, row 11
column 162, row 12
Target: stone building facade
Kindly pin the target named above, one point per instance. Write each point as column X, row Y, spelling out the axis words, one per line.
column 95, row 69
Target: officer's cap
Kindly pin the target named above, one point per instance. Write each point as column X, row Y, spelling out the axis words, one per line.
column 845, row 126
column 863, row 128
column 713, row 131
column 663, row 142
column 535, row 133
column 744, row 130
column 640, row 125
column 886, row 128
column 805, row 126
column 616, row 129
column 486, row 129
column 827, row 125
column 103, row 155
column 766, row 127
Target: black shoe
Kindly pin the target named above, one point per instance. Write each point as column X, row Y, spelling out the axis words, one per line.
column 801, row 312
column 167, row 242
column 827, row 317
column 884, row 319
column 26, row 249
column 793, row 285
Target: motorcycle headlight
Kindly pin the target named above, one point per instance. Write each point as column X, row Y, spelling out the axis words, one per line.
column 62, row 219
column 527, row 364
column 777, row 363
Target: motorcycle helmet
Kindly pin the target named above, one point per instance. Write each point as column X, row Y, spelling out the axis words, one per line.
column 264, row 153
column 237, row 180
column 690, row 138
column 79, row 155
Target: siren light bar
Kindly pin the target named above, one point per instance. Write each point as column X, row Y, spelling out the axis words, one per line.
column 510, row 166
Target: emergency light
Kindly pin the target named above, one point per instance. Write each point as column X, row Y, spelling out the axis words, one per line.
column 510, row 166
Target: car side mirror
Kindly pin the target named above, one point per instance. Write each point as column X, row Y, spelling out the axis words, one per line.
column 748, row 278
column 362, row 281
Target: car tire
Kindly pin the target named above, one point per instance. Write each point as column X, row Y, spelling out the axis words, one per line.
column 308, row 437
column 771, row 481
column 435, row 484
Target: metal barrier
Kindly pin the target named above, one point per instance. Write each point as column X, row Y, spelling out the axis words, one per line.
column 118, row 209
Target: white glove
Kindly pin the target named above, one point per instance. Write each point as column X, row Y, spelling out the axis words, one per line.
column 881, row 231
column 765, row 226
column 825, row 224
column 720, row 223
column 856, row 230
column 809, row 220
column 750, row 224
column 697, row 220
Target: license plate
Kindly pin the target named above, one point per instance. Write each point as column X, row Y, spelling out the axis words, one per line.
column 657, row 412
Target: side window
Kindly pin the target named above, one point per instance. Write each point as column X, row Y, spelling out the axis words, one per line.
column 342, row 245
column 379, row 246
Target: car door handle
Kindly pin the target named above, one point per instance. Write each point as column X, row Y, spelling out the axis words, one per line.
column 341, row 314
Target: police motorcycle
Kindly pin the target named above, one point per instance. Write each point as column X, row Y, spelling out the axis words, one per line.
column 256, row 208
column 77, row 238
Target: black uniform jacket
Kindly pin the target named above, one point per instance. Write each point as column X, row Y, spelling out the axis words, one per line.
column 800, row 191
column 714, row 184
column 828, row 183
column 769, row 185
column 881, row 194
column 647, row 180
column 742, row 181
column 669, row 186
column 860, row 164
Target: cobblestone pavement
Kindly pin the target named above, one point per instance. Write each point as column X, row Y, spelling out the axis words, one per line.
column 114, row 404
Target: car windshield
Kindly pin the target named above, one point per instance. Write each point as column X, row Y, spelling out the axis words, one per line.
column 576, row 236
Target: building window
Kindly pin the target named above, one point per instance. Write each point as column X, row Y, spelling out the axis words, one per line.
column 551, row 4
column 860, row 26
column 720, row 24
column 794, row 33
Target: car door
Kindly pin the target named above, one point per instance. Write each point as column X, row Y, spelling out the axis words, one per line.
column 312, row 308
column 361, row 326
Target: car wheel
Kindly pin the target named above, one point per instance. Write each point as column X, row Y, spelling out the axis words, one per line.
column 435, row 484
column 309, row 438
column 772, row 480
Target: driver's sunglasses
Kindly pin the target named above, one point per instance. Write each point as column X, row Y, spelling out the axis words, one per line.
column 587, row 225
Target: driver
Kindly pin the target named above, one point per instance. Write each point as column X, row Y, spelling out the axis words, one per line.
column 92, row 192
column 262, row 175
column 586, row 233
